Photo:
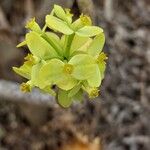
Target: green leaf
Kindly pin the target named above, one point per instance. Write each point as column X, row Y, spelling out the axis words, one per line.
column 76, row 25
column 74, row 91
column 64, row 15
column 53, row 36
column 83, row 72
column 63, row 99
column 35, row 74
column 77, row 43
column 60, row 13
column 77, row 53
column 66, row 82
column 89, row 31
column 102, row 68
column 39, row 47
column 95, row 80
column 24, row 43
column 78, row 96
column 84, row 66
column 50, row 72
column 48, row 89
column 58, row 25
column 62, row 40
column 84, row 47
column 24, row 70
column 84, row 20
column 97, row 45
column 32, row 25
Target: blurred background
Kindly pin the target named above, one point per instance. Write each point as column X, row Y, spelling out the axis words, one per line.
column 119, row 117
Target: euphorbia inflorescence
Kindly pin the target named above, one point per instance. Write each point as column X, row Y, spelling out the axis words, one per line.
column 73, row 61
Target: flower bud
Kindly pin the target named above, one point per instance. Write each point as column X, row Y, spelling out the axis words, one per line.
column 81, row 22
column 86, row 20
column 68, row 12
column 25, row 87
column 93, row 93
column 32, row 59
column 101, row 58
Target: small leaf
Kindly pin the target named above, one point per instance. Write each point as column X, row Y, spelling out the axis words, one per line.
column 53, row 73
column 48, row 89
column 35, row 74
column 24, row 43
column 77, row 53
column 32, row 25
column 60, row 13
column 66, row 82
column 39, row 47
column 58, row 25
column 64, row 15
column 102, row 68
column 95, row 80
column 24, row 70
column 50, row 72
column 89, row 31
column 84, row 20
column 63, row 99
column 77, row 43
column 76, row 25
column 62, row 40
column 78, row 96
column 54, row 36
column 84, row 66
column 81, row 59
column 97, row 45
column 74, row 91
column 85, row 46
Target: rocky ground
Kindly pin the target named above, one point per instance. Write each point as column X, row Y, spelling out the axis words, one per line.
column 120, row 116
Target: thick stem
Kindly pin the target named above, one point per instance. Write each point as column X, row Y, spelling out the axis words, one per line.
column 68, row 42
column 44, row 28
column 34, row 105
column 57, row 48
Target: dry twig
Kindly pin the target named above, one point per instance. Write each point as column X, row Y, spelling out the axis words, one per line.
column 10, row 91
column 3, row 21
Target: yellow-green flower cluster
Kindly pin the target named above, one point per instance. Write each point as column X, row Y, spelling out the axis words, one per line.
column 73, row 61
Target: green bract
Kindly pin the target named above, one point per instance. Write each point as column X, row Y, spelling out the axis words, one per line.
column 73, row 61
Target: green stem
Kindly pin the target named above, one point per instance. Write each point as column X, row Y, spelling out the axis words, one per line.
column 57, row 48
column 44, row 28
column 68, row 42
